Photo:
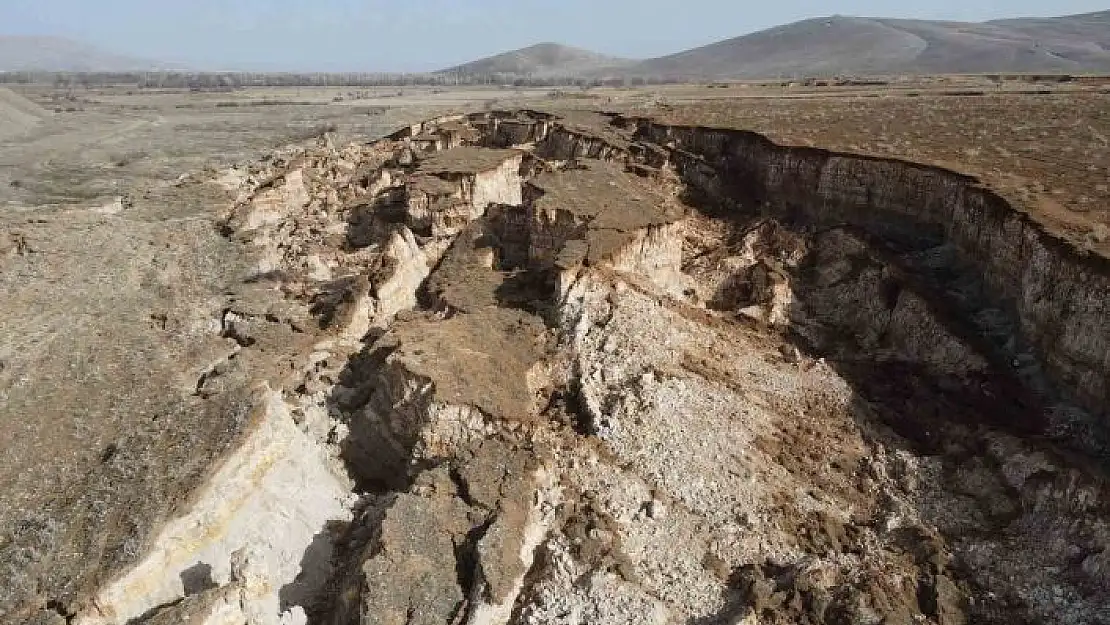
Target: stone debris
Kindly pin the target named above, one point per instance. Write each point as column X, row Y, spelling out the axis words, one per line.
column 577, row 368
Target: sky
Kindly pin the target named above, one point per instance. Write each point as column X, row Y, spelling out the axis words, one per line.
column 423, row 35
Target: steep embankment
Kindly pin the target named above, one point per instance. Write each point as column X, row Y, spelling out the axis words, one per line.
column 621, row 372
column 1053, row 290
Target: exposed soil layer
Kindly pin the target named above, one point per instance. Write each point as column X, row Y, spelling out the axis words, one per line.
column 1045, row 152
column 594, row 369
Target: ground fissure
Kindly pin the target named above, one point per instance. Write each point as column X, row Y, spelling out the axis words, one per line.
column 544, row 368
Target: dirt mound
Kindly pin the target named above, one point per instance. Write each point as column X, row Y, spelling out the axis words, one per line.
column 18, row 114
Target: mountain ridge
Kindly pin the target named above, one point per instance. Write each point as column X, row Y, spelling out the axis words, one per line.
column 867, row 45
column 841, row 44
column 20, row 53
column 832, row 45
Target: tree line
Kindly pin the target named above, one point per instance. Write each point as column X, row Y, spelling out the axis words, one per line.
column 234, row 80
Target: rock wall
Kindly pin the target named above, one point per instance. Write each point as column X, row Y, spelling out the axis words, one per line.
column 507, row 130
column 268, row 500
column 1057, row 293
column 501, row 185
column 564, row 143
column 442, row 203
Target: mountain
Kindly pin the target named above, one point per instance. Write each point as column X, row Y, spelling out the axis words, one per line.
column 861, row 46
column 826, row 46
column 544, row 59
column 56, row 54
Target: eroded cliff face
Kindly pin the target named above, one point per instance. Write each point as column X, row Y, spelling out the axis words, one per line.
column 1054, row 293
column 589, row 369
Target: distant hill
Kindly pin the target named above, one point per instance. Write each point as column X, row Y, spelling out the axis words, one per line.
column 862, row 46
column 56, row 54
column 18, row 114
column 857, row 46
column 545, row 59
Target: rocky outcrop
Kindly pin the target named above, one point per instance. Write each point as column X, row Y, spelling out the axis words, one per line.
column 598, row 214
column 454, row 187
column 270, row 498
column 424, row 407
column 508, row 129
column 1054, row 291
column 456, row 546
column 404, row 267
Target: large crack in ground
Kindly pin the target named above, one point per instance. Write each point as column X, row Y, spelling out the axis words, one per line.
column 589, row 369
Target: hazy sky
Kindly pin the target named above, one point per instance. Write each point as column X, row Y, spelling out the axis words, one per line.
column 417, row 35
